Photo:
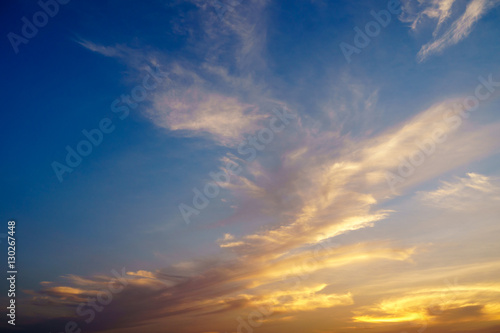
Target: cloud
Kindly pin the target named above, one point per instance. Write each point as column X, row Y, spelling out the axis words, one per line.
column 187, row 105
column 301, row 299
column 435, row 9
column 219, row 286
column 204, row 99
column 441, row 10
column 314, row 194
column 447, row 304
column 224, row 119
column 465, row 194
column 108, row 51
column 306, row 193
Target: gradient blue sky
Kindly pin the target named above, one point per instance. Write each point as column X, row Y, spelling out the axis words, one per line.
column 354, row 121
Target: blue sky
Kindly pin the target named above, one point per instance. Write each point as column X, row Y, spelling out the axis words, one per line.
column 225, row 70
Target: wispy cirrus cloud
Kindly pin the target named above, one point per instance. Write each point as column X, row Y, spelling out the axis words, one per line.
column 442, row 11
column 205, row 100
column 466, row 193
column 194, row 112
column 415, row 12
column 117, row 51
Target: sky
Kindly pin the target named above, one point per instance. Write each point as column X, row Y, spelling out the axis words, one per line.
column 228, row 166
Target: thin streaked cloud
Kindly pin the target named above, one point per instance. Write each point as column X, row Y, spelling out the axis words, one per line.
column 444, row 12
